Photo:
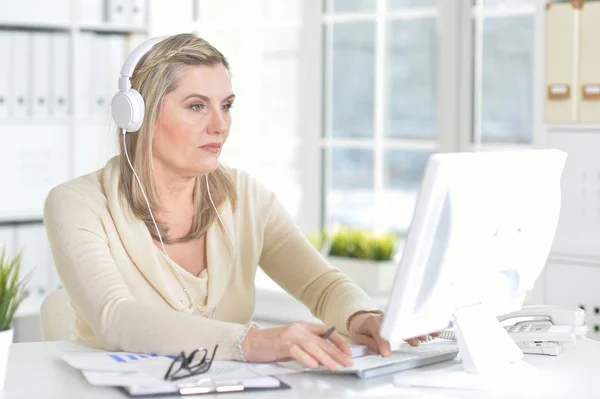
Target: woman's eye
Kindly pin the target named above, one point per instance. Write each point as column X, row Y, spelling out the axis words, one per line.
column 197, row 107
column 227, row 107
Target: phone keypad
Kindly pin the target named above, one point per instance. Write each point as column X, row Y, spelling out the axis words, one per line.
column 519, row 328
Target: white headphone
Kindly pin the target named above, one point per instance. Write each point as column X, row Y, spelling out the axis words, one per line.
column 128, row 108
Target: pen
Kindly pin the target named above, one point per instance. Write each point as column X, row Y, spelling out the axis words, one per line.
column 328, row 333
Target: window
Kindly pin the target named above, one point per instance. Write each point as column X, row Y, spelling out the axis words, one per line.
column 503, row 72
column 385, row 62
column 381, row 106
column 261, row 39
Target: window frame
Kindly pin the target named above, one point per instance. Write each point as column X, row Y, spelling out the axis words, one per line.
column 457, row 108
column 473, row 14
column 379, row 143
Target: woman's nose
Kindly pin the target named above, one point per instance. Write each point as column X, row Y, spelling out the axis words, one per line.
column 217, row 123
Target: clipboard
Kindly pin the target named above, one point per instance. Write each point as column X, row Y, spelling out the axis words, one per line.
column 207, row 386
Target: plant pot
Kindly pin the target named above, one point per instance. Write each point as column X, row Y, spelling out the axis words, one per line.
column 376, row 278
column 6, row 339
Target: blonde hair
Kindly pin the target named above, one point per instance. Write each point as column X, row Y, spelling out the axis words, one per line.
column 155, row 75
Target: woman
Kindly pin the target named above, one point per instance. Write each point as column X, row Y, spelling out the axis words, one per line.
column 130, row 293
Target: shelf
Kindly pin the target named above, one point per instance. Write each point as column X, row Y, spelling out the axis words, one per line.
column 65, row 27
column 579, row 127
column 110, row 28
column 21, row 218
column 35, row 26
column 35, row 122
column 575, row 259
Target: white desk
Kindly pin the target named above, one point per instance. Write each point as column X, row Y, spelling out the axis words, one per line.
column 34, row 372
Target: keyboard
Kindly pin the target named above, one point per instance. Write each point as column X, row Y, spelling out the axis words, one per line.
column 373, row 365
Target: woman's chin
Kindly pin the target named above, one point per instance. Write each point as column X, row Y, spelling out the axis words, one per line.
column 206, row 167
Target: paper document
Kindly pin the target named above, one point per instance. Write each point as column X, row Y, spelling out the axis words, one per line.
column 121, row 369
column 114, row 361
column 118, row 378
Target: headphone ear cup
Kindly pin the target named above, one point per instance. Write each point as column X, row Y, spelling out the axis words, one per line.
column 127, row 110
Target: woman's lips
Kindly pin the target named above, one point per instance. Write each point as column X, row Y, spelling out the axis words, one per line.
column 212, row 147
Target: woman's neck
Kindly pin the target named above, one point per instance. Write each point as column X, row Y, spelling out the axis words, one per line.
column 174, row 190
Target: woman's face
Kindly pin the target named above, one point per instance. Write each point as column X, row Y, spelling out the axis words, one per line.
column 194, row 121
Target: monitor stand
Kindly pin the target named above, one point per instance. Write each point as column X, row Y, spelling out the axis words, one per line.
column 483, row 343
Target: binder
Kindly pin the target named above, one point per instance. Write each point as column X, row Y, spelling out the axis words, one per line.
column 589, row 64
column 20, row 102
column 133, row 40
column 98, row 105
column 118, row 12
column 91, row 11
column 35, row 11
column 5, row 74
column 40, row 80
column 561, row 86
column 116, row 55
column 59, row 83
column 83, row 74
column 138, row 12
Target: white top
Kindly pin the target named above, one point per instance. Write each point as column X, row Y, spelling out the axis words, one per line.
column 34, row 371
column 127, row 297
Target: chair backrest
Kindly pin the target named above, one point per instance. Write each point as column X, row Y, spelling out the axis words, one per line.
column 57, row 318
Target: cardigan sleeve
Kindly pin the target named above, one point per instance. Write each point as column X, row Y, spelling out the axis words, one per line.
column 293, row 263
column 98, row 291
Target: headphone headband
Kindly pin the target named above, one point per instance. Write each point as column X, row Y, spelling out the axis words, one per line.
column 127, row 106
column 132, row 60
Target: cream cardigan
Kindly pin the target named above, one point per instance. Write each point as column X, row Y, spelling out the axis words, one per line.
column 127, row 297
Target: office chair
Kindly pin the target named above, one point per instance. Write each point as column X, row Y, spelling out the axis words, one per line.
column 57, row 318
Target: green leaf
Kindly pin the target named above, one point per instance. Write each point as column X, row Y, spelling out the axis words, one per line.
column 13, row 288
column 363, row 244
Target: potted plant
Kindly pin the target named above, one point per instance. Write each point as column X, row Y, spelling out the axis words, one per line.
column 13, row 290
column 368, row 258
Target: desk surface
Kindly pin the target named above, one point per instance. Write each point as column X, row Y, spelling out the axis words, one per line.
column 34, row 371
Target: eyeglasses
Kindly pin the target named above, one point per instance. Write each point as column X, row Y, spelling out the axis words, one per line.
column 185, row 366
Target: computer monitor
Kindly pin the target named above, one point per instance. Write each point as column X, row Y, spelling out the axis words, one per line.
column 480, row 236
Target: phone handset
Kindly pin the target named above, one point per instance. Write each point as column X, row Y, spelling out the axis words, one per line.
column 557, row 315
column 541, row 329
column 546, row 323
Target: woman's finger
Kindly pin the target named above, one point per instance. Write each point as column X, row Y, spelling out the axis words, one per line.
column 368, row 341
column 335, row 338
column 340, row 343
column 383, row 346
column 300, row 355
column 336, row 354
column 311, row 347
column 413, row 342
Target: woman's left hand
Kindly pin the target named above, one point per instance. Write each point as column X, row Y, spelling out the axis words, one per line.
column 365, row 329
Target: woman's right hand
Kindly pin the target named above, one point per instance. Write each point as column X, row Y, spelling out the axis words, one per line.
column 297, row 341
